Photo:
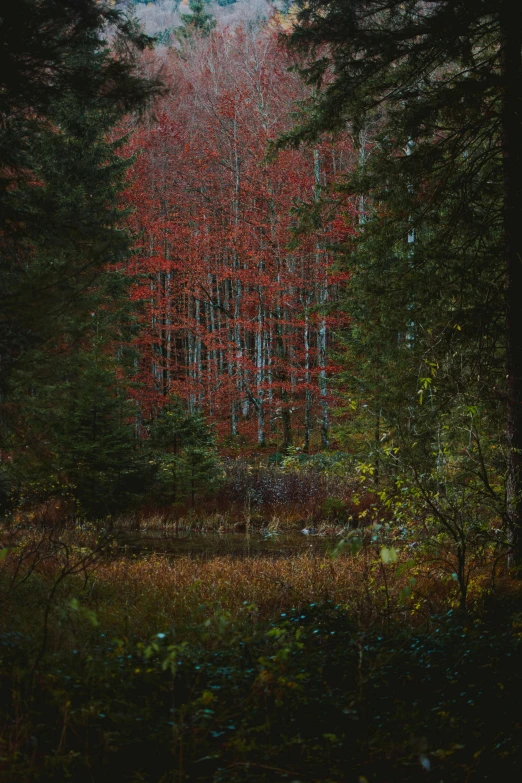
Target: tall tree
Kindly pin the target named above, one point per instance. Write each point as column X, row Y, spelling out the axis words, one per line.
column 233, row 308
column 70, row 74
column 443, row 80
column 64, row 89
column 198, row 22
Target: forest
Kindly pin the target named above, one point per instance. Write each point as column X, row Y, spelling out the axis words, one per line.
column 260, row 391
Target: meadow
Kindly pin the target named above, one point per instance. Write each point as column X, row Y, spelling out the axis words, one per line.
column 354, row 664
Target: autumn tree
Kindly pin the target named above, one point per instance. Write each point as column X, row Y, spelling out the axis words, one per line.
column 236, row 314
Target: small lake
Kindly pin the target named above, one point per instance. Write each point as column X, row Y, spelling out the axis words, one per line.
column 243, row 545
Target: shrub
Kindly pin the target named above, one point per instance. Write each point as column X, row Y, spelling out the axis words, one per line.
column 334, row 509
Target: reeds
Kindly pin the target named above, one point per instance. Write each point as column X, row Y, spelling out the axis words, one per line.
column 120, row 647
column 139, row 596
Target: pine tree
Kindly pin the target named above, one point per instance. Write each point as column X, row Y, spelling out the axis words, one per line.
column 442, row 83
column 96, row 448
column 63, row 94
column 198, row 22
column 77, row 439
column 50, row 49
column 184, row 454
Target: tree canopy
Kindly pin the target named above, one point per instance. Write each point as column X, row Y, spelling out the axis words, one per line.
column 69, row 75
column 433, row 92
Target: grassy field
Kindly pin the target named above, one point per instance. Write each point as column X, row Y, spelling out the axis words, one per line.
column 337, row 667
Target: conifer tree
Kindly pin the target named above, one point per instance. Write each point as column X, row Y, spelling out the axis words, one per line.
column 184, row 454
column 63, row 91
column 442, row 83
column 198, row 22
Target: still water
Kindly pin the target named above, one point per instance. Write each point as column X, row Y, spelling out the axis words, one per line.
column 211, row 545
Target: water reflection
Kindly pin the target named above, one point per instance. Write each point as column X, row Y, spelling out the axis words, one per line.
column 241, row 545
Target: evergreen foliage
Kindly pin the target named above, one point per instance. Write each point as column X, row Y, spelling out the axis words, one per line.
column 432, row 92
column 394, row 652
column 198, row 22
column 78, row 438
column 183, row 453
column 64, row 91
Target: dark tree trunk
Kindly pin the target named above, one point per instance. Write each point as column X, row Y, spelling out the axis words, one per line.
column 511, row 35
column 286, row 415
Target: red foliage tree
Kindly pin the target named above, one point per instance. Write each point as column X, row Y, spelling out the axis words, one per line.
column 234, row 308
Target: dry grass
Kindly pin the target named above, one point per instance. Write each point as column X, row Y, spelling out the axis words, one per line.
column 157, row 592
column 142, row 595
column 201, row 521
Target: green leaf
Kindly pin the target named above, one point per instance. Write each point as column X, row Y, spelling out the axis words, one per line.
column 389, row 555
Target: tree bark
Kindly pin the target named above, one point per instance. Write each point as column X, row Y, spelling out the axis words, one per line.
column 511, row 64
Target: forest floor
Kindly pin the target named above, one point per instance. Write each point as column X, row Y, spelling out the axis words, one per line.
column 309, row 667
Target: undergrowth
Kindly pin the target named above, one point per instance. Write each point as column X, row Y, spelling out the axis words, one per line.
column 307, row 668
